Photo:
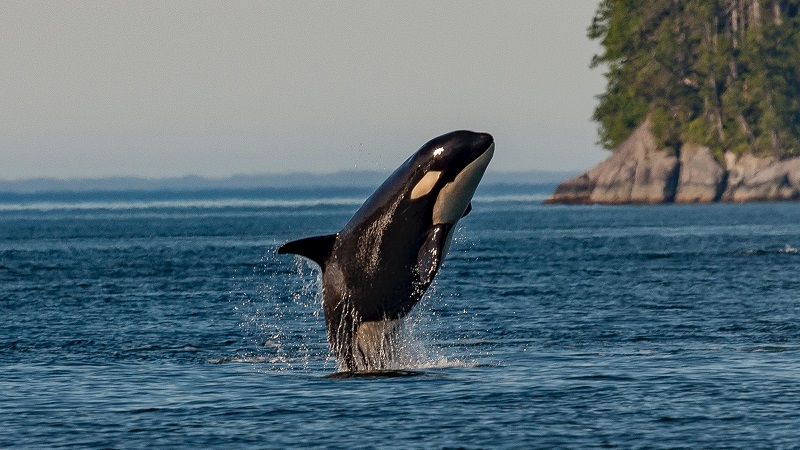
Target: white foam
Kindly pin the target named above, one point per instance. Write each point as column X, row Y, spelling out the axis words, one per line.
column 179, row 204
column 518, row 198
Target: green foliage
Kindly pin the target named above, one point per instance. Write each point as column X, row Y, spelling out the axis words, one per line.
column 722, row 73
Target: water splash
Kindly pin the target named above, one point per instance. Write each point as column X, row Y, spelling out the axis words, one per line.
column 281, row 311
column 391, row 345
column 282, row 320
column 284, row 329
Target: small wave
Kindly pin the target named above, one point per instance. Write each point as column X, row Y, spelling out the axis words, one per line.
column 442, row 363
column 648, row 256
column 410, row 371
column 375, row 374
column 601, row 377
column 241, row 359
column 154, row 348
column 786, row 249
column 769, row 349
column 180, row 204
column 521, row 198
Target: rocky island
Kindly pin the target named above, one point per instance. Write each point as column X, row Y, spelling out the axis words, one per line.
column 702, row 103
column 639, row 172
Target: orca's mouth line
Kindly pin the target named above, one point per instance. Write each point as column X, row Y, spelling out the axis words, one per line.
column 455, row 196
column 484, row 157
column 488, row 150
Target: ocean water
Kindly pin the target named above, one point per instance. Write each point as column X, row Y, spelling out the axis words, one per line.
column 169, row 321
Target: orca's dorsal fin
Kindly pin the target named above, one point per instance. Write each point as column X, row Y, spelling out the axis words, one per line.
column 317, row 248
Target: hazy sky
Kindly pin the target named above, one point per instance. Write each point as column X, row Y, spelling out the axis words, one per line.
column 172, row 88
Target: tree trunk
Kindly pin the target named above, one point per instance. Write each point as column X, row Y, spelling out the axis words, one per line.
column 776, row 14
column 712, row 81
column 745, row 128
column 755, row 13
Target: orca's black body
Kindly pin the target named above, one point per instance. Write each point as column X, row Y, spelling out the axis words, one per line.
column 381, row 263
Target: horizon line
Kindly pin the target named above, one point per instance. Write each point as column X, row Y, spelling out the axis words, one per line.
column 241, row 175
column 249, row 182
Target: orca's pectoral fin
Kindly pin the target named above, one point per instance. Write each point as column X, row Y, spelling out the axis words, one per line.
column 469, row 209
column 431, row 254
column 317, row 248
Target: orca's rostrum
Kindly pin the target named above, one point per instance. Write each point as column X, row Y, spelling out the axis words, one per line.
column 381, row 263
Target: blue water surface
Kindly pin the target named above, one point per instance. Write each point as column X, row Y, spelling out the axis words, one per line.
column 169, row 321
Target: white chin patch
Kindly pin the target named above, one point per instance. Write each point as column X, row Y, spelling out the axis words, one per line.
column 375, row 345
column 455, row 196
column 425, row 184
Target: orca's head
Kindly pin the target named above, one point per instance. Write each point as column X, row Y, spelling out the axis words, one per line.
column 447, row 170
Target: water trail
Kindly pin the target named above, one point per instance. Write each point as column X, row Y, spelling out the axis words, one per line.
column 281, row 315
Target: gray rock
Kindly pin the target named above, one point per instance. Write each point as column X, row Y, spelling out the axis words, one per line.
column 639, row 172
column 656, row 178
column 577, row 190
column 755, row 178
column 701, row 177
column 636, row 172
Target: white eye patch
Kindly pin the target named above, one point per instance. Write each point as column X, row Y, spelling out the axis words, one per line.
column 425, row 184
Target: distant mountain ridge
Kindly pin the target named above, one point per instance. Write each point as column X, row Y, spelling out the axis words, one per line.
column 248, row 182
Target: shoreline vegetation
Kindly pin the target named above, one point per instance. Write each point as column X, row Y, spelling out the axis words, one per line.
column 702, row 103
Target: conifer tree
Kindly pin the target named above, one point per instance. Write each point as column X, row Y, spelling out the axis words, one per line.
column 722, row 73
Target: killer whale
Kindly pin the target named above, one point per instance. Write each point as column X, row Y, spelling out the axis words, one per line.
column 376, row 268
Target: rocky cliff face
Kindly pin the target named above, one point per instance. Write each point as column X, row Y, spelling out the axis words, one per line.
column 638, row 172
column 754, row 179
